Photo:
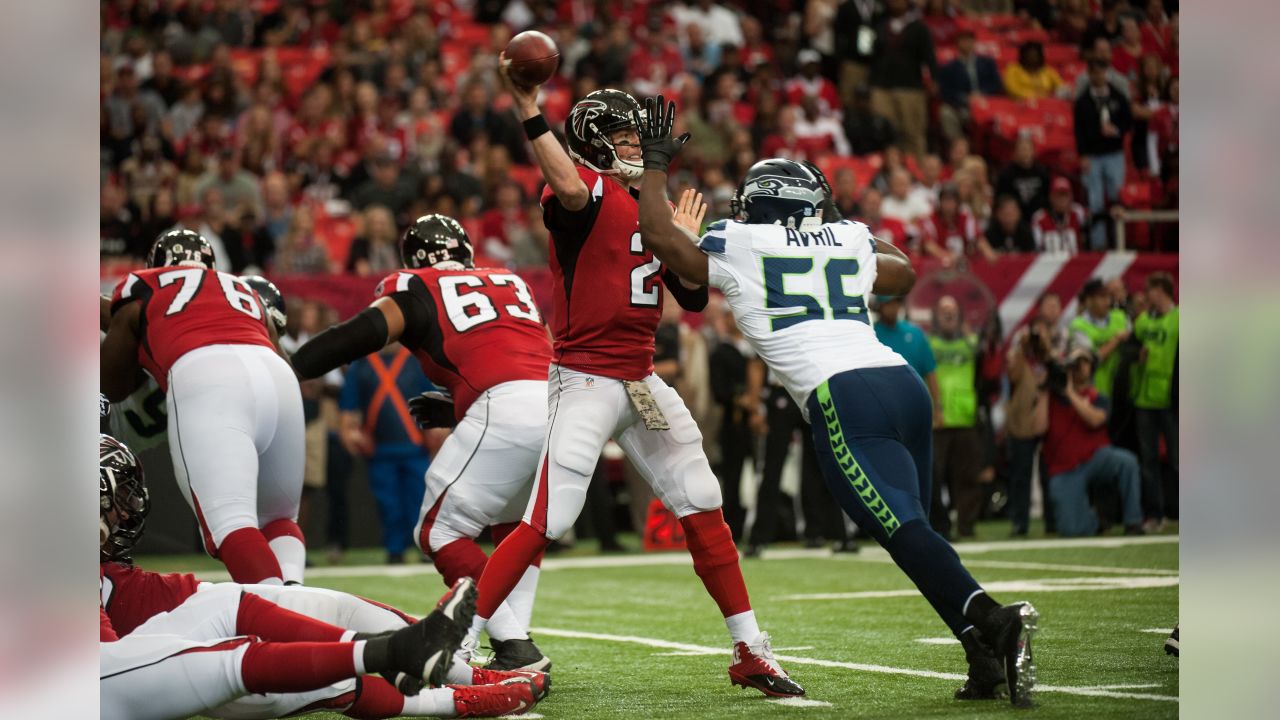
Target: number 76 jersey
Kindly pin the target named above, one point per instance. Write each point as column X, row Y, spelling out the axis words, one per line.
column 471, row 329
column 800, row 298
column 185, row 308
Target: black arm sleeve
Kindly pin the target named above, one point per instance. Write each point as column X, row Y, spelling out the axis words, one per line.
column 419, row 316
column 347, row 341
column 692, row 300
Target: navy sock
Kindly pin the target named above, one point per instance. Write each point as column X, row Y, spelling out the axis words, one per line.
column 935, row 568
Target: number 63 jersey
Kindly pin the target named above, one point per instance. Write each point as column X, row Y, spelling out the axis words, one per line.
column 472, row 329
column 185, row 308
column 800, row 298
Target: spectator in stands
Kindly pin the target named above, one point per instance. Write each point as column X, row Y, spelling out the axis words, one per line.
column 655, row 62
column 388, row 186
column 957, row 451
column 951, row 232
column 277, row 209
column 867, row 131
column 1101, row 48
column 855, row 38
column 1162, row 131
column 130, row 109
column 727, row 363
column 903, row 53
column 1059, row 228
column 239, row 187
column 1080, row 456
column 967, row 75
column 120, row 225
column 890, row 229
column 606, row 60
column 476, row 117
column 785, row 141
column 700, row 57
column 301, row 252
column 505, row 221
column 212, row 219
column 1105, row 327
column 1025, row 179
column 811, row 84
column 720, row 25
column 930, row 183
column 147, row 171
column 162, row 81
column 1026, row 417
column 1107, row 25
column 1157, row 29
column 974, row 186
column 530, row 248
column 1007, row 232
column 1030, row 78
column 1102, row 120
column 1155, row 395
column 905, row 338
column 1128, row 51
column 844, row 193
column 819, row 131
column 161, row 214
column 903, row 203
column 1149, row 96
column 376, row 252
column 1071, row 22
column 1038, row 13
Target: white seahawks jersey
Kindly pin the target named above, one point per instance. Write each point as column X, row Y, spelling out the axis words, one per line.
column 800, row 297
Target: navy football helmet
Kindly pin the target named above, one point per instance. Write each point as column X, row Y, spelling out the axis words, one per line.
column 435, row 239
column 122, row 492
column 271, row 297
column 180, row 247
column 779, row 192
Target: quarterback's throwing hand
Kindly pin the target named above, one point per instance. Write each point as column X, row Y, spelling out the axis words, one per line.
column 658, row 147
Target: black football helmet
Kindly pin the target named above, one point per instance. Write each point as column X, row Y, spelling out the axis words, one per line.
column 271, row 297
column 435, row 239
column 779, row 192
column 180, row 247
column 830, row 213
column 122, row 489
column 591, row 122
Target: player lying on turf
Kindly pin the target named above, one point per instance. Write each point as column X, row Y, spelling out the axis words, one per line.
column 479, row 335
column 608, row 300
column 797, row 287
column 236, row 431
column 173, row 646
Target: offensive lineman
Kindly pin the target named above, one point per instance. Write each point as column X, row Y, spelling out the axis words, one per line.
column 608, row 299
column 477, row 333
column 796, row 287
column 234, row 408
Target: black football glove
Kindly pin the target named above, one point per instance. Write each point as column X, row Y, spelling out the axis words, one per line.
column 432, row 409
column 656, row 143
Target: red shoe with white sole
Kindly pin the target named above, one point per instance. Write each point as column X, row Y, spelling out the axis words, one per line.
column 512, row 697
column 541, row 681
column 754, row 667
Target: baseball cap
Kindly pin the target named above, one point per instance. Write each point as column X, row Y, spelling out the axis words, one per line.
column 1060, row 184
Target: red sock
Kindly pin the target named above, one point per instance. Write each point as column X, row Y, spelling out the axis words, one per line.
column 269, row 621
column 506, row 566
column 537, row 561
column 283, row 528
column 460, row 558
column 273, row 667
column 375, row 699
column 248, row 557
column 500, row 531
column 715, row 559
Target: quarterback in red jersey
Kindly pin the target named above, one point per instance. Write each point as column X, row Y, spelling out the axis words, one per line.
column 479, row 335
column 236, row 431
column 1059, row 227
column 607, row 303
column 172, row 646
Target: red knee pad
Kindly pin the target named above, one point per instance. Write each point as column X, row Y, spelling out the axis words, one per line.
column 459, row 559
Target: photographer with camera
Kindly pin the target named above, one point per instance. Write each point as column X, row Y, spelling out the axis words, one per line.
column 1026, row 418
column 1078, row 451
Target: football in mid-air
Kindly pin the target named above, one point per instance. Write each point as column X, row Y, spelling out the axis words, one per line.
column 532, row 58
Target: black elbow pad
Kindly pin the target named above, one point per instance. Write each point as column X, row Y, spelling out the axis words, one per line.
column 347, row 341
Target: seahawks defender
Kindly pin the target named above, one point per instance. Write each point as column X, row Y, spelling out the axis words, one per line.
column 797, row 286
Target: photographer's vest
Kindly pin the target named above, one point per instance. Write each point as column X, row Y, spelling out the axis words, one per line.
column 957, row 375
column 1104, row 377
column 1159, row 335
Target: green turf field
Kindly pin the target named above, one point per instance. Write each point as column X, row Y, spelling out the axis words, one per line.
column 638, row 637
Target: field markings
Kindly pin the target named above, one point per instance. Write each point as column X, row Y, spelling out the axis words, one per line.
column 938, row 641
column 1077, row 584
column 1157, row 631
column 798, row 702
column 1090, row 691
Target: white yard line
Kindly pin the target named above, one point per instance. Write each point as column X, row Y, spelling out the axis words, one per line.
column 1078, row 584
column 798, row 702
column 862, row 667
column 938, row 641
column 1157, row 631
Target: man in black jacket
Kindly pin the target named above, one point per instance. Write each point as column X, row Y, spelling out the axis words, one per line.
column 1102, row 118
column 1025, row 179
column 855, row 38
column 903, row 50
column 967, row 75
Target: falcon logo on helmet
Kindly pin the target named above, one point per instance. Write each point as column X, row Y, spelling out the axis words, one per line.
column 436, row 241
column 272, row 298
column 779, row 192
column 123, row 502
column 185, row 248
column 591, row 122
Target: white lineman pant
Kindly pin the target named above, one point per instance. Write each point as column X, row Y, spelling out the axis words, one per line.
column 236, row 434
column 584, row 411
column 483, row 472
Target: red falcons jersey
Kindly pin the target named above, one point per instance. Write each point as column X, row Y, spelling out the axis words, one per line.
column 1058, row 233
column 896, row 233
column 131, row 595
column 184, row 308
column 608, row 293
column 959, row 236
column 478, row 328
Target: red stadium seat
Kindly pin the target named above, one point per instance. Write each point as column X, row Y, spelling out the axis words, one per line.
column 530, row 179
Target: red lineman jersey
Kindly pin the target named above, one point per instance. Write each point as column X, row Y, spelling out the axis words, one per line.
column 131, row 596
column 1058, row 233
column 608, row 293
column 478, row 328
column 958, row 236
column 184, row 308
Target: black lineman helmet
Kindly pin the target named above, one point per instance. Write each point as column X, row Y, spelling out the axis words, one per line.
column 180, row 247
column 271, row 297
column 435, row 239
column 588, row 128
column 779, row 192
column 123, row 489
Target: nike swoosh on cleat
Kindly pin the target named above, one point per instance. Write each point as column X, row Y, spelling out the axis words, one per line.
column 430, row 666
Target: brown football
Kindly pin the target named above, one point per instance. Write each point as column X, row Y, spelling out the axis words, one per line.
column 532, row 58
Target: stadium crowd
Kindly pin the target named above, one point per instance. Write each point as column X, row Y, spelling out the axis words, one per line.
column 301, row 137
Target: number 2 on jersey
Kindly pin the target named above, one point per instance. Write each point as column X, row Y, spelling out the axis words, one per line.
column 841, row 305
column 644, row 291
column 239, row 295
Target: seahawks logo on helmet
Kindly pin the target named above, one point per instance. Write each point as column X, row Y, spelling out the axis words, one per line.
column 779, row 192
